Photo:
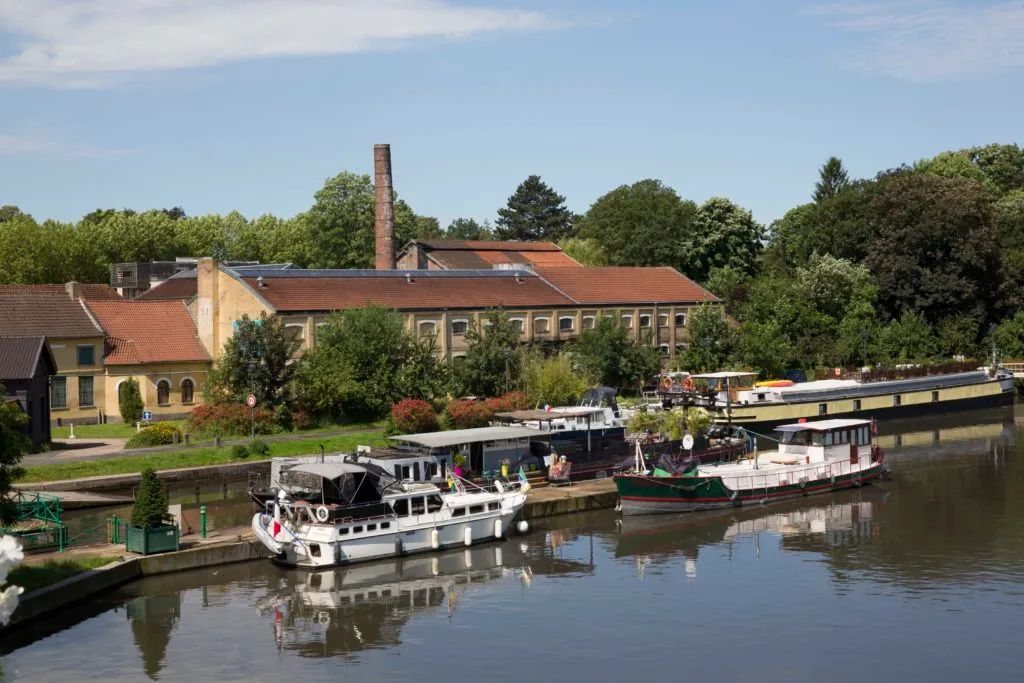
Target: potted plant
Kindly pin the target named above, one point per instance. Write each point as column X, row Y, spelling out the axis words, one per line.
column 151, row 529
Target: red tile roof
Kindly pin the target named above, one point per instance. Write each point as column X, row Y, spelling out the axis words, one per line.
column 90, row 292
column 488, row 245
column 478, row 254
column 622, row 285
column 141, row 332
column 326, row 293
column 38, row 311
column 180, row 288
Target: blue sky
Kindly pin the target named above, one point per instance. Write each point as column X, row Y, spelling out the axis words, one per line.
column 216, row 105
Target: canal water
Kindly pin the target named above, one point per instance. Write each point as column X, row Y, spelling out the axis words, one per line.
column 918, row 578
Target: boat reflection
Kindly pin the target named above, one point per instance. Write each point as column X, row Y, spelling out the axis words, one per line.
column 345, row 611
column 658, row 540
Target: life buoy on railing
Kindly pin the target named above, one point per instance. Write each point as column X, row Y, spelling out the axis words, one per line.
column 666, row 382
column 322, row 514
column 688, row 384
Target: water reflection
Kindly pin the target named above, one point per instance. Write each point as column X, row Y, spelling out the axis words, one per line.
column 153, row 618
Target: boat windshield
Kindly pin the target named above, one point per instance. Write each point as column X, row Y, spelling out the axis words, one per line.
column 803, row 438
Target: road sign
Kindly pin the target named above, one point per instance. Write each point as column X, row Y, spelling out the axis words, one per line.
column 250, row 401
column 147, row 415
column 687, row 442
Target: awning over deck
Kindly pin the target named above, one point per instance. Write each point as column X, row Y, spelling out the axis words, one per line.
column 535, row 415
column 457, row 437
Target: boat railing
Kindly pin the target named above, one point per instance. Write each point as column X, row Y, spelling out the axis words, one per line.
column 812, row 472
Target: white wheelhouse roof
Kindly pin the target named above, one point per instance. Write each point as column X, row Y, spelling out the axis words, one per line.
column 458, row 437
column 724, row 375
column 822, row 425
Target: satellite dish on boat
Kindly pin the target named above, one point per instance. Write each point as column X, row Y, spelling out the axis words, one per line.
column 687, row 442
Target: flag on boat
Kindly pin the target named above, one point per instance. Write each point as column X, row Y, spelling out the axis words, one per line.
column 524, row 484
column 547, row 408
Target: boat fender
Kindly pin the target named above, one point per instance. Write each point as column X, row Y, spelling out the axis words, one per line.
column 497, row 528
column 832, row 479
column 523, row 526
column 467, row 536
column 322, row 514
column 435, row 539
column 732, row 496
column 399, row 550
column 324, row 619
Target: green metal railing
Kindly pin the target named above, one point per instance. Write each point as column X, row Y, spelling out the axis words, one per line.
column 41, row 506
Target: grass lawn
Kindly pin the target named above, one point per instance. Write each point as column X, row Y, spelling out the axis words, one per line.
column 126, row 431
column 107, row 431
column 193, row 457
column 34, row 576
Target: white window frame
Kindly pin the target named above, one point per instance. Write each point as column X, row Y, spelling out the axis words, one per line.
column 464, row 321
column 649, row 320
column 593, row 322
column 546, row 321
column 571, row 319
column 627, row 320
column 522, row 323
column 660, row 316
column 301, row 326
column 681, row 313
column 421, row 323
column 664, row 349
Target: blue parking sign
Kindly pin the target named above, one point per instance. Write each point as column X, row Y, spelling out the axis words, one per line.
column 147, row 415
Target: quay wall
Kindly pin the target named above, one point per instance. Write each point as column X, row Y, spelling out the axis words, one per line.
column 541, row 503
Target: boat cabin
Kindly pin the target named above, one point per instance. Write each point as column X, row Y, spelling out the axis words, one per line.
column 815, row 442
column 483, row 449
column 725, row 387
column 344, row 489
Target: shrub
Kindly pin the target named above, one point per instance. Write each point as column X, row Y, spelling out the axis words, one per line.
column 300, row 420
column 150, row 507
column 259, row 448
column 160, row 434
column 644, row 420
column 130, row 401
column 467, row 414
column 413, row 415
column 462, row 414
column 239, row 452
column 231, row 418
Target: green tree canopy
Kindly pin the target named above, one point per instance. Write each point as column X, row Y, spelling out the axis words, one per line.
column 711, row 340
column 129, row 401
column 643, row 224
column 534, row 212
column 585, row 251
column 468, row 229
column 724, row 235
column 13, row 446
column 832, row 179
column 256, row 358
column 492, row 364
column 608, row 354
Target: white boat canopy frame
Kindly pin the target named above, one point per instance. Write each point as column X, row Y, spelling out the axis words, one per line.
column 724, row 375
column 822, row 425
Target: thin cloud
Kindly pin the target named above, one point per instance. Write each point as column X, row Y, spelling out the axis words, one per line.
column 931, row 40
column 13, row 145
column 85, row 43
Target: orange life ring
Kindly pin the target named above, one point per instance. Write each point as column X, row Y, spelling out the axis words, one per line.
column 688, row 384
column 666, row 382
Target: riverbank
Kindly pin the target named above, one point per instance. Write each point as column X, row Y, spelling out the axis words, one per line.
column 239, row 545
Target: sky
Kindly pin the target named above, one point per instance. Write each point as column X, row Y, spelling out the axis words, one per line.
column 249, row 105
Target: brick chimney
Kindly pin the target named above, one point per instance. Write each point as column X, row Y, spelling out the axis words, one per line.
column 384, row 215
column 74, row 290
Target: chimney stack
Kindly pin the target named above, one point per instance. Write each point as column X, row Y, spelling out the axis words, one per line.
column 384, row 216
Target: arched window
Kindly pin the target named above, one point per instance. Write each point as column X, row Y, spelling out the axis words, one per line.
column 163, row 392
column 188, row 388
column 121, row 389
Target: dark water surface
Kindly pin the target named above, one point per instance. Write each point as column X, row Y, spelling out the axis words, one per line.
column 920, row 578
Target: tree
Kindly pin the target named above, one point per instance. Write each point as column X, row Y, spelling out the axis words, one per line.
column 256, row 358
column 534, row 212
column 724, row 235
column 731, row 285
column 129, row 401
column 608, row 355
column 1009, row 336
column 999, row 167
column 491, row 366
column 339, row 228
column 833, row 179
column 586, row 252
column 9, row 212
column 832, row 285
column 552, row 380
column 909, row 339
column 13, row 445
column 643, row 224
column 764, row 346
column 468, row 229
column 426, row 228
column 364, row 362
column 150, row 507
column 936, row 252
column 710, row 338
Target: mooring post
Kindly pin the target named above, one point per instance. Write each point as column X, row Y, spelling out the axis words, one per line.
column 202, row 520
column 113, row 536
